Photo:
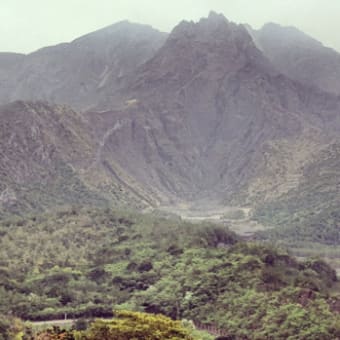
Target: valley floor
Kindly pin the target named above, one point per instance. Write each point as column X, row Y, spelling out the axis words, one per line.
column 237, row 219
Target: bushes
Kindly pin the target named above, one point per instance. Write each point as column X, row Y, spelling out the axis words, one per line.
column 135, row 325
column 125, row 326
column 213, row 235
column 10, row 327
column 5, row 326
column 53, row 265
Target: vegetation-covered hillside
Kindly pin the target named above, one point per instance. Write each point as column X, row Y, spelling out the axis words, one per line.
column 87, row 262
column 308, row 214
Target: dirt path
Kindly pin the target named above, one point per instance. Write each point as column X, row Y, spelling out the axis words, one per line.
column 68, row 322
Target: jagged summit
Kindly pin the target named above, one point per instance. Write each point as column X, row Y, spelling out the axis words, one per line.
column 211, row 43
column 210, row 48
column 215, row 18
column 215, row 26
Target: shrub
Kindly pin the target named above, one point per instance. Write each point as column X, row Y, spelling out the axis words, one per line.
column 136, row 325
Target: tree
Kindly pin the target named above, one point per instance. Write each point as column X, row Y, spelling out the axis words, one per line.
column 136, row 325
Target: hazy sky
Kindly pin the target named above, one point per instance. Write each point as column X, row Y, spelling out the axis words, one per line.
column 26, row 25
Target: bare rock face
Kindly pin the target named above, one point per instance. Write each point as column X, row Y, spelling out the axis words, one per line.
column 299, row 56
column 75, row 73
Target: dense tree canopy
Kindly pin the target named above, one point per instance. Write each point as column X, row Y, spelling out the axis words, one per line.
column 85, row 263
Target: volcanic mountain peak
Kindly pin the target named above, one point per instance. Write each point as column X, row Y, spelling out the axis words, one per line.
column 215, row 28
column 216, row 16
column 214, row 21
column 207, row 49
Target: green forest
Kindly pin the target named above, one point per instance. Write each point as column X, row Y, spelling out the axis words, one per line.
column 87, row 263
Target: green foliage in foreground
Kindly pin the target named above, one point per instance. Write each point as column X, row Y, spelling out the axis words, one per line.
column 125, row 326
column 10, row 327
column 86, row 262
column 134, row 325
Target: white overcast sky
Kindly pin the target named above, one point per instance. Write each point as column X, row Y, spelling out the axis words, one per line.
column 26, row 25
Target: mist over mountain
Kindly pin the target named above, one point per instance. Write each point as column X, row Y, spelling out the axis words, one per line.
column 75, row 73
column 213, row 113
column 299, row 56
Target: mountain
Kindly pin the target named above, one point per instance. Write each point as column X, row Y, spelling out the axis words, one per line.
column 195, row 120
column 202, row 118
column 299, row 56
column 75, row 73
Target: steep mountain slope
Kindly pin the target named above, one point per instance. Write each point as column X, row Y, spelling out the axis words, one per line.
column 194, row 121
column 75, row 73
column 48, row 158
column 300, row 56
column 40, row 147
